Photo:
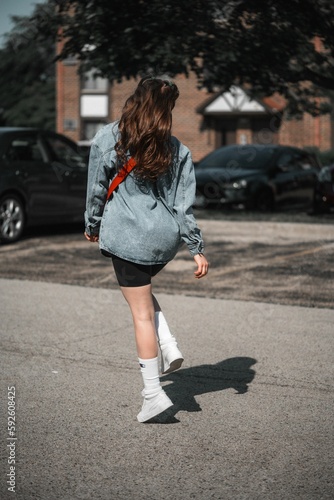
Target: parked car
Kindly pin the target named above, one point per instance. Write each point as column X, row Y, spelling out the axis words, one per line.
column 260, row 177
column 324, row 190
column 43, row 180
column 84, row 148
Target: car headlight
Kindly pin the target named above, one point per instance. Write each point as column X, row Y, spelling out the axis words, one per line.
column 241, row 184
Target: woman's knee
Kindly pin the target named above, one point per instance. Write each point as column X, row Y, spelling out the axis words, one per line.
column 143, row 315
column 140, row 301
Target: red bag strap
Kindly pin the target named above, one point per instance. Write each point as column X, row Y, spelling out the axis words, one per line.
column 125, row 170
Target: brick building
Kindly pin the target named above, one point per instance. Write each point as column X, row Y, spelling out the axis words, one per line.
column 202, row 121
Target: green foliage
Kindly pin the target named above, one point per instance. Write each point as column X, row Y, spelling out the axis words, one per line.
column 265, row 45
column 27, row 73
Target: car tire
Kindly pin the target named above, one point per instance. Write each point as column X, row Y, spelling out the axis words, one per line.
column 264, row 201
column 12, row 218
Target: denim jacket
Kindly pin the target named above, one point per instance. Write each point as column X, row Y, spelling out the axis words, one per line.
column 143, row 222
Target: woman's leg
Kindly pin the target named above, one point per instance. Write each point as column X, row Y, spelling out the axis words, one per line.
column 140, row 300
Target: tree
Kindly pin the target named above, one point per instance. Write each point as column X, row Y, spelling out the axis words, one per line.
column 27, row 72
column 266, row 46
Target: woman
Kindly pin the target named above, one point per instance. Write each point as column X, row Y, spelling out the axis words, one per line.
column 147, row 219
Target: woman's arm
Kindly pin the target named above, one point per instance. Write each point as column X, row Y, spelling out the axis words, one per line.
column 99, row 174
column 202, row 266
column 184, row 200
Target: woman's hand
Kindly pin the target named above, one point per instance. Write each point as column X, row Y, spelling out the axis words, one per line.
column 202, row 265
column 91, row 238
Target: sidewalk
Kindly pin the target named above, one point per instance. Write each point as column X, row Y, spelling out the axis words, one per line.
column 253, row 414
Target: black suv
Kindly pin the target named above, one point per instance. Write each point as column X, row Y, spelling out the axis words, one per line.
column 43, row 179
column 255, row 176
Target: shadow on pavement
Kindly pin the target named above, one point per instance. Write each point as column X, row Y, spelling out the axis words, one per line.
column 233, row 373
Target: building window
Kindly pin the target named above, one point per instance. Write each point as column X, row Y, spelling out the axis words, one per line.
column 70, row 124
column 90, row 128
column 96, row 83
column 70, row 61
column 94, row 106
column 94, row 103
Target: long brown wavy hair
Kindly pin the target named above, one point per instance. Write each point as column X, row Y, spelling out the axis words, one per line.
column 145, row 128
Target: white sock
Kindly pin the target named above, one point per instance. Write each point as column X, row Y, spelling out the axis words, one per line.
column 150, row 372
column 162, row 328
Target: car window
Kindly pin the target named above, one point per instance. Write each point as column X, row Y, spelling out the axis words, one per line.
column 326, row 174
column 285, row 161
column 65, row 153
column 242, row 157
column 308, row 162
column 25, row 149
column 288, row 162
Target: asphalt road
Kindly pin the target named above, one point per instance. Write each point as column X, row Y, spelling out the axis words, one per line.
column 278, row 258
column 253, row 403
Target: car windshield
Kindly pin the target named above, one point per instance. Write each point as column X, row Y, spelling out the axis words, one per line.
column 242, row 157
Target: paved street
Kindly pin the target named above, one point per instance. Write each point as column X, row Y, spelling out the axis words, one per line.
column 253, row 402
column 271, row 260
column 253, row 414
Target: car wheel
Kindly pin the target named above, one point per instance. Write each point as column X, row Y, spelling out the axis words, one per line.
column 12, row 218
column 264, row 201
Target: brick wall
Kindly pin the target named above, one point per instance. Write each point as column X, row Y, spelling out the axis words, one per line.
column 188, row 125
column 308, row 131
column 68, row 99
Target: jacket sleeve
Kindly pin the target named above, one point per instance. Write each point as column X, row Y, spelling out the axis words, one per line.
column 99, row 174
column 184, row 200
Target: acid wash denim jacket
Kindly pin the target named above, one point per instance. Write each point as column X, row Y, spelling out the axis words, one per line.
column 143, row 222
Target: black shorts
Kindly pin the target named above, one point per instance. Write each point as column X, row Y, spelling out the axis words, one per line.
column 132, row 274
